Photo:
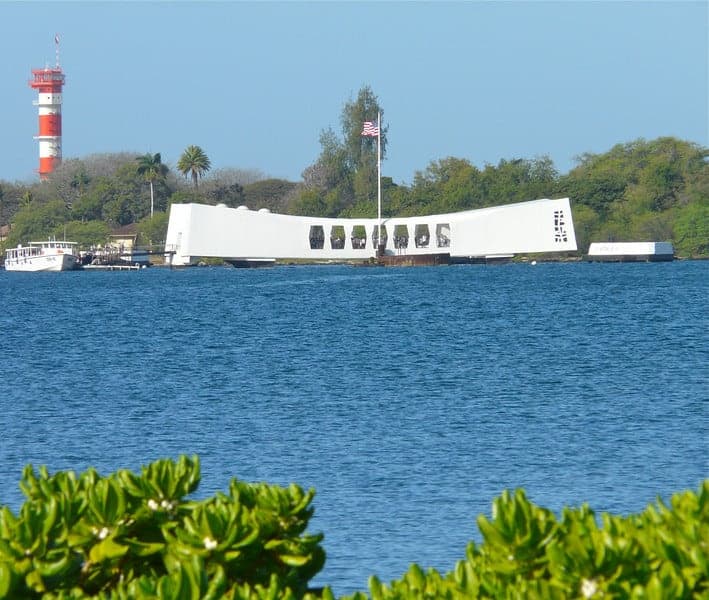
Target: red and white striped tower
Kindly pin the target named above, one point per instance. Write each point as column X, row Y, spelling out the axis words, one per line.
column 49, row 83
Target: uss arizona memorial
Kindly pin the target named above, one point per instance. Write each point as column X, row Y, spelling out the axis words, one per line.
column 249, row 237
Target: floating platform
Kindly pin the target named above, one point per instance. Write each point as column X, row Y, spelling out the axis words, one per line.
column 630, row 252
column 112, row 267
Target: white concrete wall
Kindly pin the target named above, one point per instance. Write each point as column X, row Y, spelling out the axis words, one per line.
column 197, row 230
column 535, row 226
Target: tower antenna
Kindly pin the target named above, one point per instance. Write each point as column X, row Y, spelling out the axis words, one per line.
column 56, row 47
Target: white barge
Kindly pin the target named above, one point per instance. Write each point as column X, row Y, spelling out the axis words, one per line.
column 630, row 252
column 50, row 255
column 248, row 237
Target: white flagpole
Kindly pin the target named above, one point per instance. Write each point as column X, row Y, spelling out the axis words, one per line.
column 379, row 179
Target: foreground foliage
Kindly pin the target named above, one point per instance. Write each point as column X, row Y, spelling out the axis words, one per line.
column 662, row 553
column 138, row 536
column 129, row 536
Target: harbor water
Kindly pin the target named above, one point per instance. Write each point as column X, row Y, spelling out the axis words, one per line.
column 409, row 398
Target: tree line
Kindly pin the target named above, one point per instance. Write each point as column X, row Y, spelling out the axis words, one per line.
column 643, row 190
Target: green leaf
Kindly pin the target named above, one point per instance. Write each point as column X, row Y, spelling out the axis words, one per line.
column 231, row 555
column 58, row 567
column 131, row 483
column 217, row 584
column 143, row 549
column 7, row 579
column 416, row 577
column 34, row 581
column 293, row 560
column 376, row 589
column 106, row 502
column 107, row 549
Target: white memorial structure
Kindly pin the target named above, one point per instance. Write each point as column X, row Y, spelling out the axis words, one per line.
column 251, row 237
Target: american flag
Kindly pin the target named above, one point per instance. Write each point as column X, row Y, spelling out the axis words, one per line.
column 370, row 128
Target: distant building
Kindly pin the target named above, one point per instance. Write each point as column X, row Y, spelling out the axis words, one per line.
column 123, row 242
column 124, row 238
column 630, row 251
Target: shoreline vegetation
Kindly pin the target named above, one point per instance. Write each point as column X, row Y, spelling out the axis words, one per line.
column 639, row 191
column 145, row 536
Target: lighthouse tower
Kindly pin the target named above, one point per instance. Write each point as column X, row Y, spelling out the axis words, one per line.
column 49, row 84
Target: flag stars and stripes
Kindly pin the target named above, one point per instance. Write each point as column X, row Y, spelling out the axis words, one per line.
column 370, row 128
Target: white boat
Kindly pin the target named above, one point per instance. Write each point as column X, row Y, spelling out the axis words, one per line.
column 51, row 255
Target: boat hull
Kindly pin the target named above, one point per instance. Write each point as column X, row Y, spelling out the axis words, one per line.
column 55, row 262
column 49, row 255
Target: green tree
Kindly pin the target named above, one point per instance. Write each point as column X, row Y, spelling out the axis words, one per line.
column 365, row 107
column 661, row 181
column 447, row 185
column 330, row 177
column 585, row 225
column 186, row 196
column 153, row 230
column 517, row 180
column 26, row 199
column 85, row 233
column 33, row 223
column 11, row 200
column 152, row 169
column 116, row 199
column 345, row 173
column 361, row 151
column 331, row 169
column 653, row 227
column 80, row 180
column 89, row 206
column 309, row 203
column 230, row 194
column 691, row 230
column 194, row 162
column 273, row 194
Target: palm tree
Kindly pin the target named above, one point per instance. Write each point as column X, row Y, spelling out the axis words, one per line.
column 150, row 166
column 195, row 162
column 26, row 199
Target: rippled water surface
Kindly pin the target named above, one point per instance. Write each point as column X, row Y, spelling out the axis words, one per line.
column 408, row 398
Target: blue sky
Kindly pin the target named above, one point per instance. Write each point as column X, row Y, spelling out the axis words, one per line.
column 254, row 83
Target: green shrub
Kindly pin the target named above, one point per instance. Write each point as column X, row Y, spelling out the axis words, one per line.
column 527, row 553
column 128, row 536
column 138, row 536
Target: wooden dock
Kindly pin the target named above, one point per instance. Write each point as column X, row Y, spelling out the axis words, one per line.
column 113, row 267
